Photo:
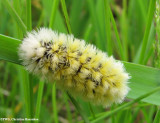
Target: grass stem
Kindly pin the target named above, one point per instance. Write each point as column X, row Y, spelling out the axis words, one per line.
column 108, row 28
column 39, row 99
column 66, row 16
column 107, row 114
column 29, row 15
column 15, row 16
column 120, row 46
column 147, row 30
column 54, row 103
column 53, row 14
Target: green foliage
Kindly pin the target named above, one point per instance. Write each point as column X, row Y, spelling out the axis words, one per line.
column 127, row 32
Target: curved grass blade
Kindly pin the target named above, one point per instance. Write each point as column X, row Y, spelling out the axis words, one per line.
column 78, row 108
column 15, row 16
column 53, row 14
column 29, row 15
column 66, row 100
column 8, row 49
column 54, row 103
column 147, row 31
column 120, row 47
column 107, row 114
column 108, row 28
column 66, row 16
column 39, row 99
column 100, row 37
column 157, row 117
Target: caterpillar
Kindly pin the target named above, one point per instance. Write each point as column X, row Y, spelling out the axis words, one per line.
column 77, row 67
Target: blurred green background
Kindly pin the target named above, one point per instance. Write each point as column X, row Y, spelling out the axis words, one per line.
column 120, row 33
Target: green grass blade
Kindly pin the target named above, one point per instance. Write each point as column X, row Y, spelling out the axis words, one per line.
column 120, row 47
column 108, row 28
column 59, row 23
column 39, row 99
column 148, row 55
column 77, row 22
column 92, row 111
column 30, row 77
column 145, row 115
column 29, row 15
column 87, row 32
column 15, row 16
column 147, row 31
column 6, row 73
column 150, row 112
column 30, row 94
column 28, row 91
column 8, row 49
column 82, row 113
column 21, row 71
column 157, row 39
column 99, row 9
column 39, row 23
column 47, row 94
column 142, row 8
column 53, row 14
column 157, row 117
column 25, row 80
column 54, row 103
column 66, row 100
column 66, row 16
column 16, row 4
column 107, row 114
column 96, row 24
column 124, row 29
column 143, row 77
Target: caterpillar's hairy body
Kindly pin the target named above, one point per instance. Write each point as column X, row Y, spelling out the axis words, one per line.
column 79, row 68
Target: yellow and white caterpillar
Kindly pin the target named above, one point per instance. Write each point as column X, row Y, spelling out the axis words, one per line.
column 77, row 67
